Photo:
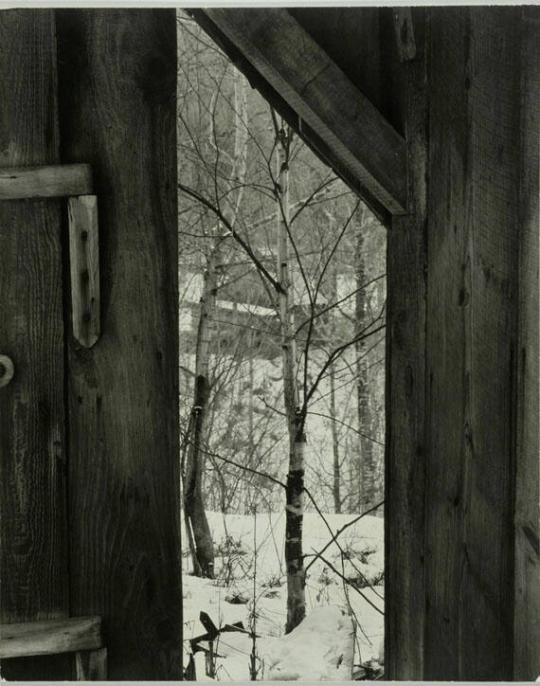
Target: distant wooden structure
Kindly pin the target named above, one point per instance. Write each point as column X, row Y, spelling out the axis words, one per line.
column 432, row 115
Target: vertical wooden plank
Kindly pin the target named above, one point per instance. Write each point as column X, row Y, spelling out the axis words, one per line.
column 84, row 268
column 527, row 506
column 471, row 342
column 33, row 551
column 405, row 389
column 446, row 337
column 118, row 86
column 91, row 665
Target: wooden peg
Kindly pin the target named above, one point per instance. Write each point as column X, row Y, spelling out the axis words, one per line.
column 84, row 268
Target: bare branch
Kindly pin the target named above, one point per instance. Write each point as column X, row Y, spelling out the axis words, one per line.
column 348, row 426
column 344, row 528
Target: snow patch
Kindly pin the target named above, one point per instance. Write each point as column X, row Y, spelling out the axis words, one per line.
column 321, row 648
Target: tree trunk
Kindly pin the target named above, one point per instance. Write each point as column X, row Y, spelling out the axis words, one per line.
column 294, row 559
column 366, row 463
column 194, row 502
column 336, row 472
column 336, row 481
column 296, row 601
column 196, row 521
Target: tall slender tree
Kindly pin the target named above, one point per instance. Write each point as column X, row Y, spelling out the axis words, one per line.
column 199, row 534
column 294, row 508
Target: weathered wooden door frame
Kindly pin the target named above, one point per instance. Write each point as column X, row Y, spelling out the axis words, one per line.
column 462, row 471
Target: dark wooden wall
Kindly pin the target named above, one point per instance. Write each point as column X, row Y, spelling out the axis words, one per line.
column 33, row 549
column 471, row 342
column 462, row 455
column 89, row 437
column 527, row 496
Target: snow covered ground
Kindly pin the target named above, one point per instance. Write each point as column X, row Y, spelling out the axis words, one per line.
column 251, row 588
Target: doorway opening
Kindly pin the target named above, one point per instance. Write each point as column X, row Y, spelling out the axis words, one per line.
column 282, row 285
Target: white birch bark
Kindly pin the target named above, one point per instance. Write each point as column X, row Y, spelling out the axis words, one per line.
column 296, row 602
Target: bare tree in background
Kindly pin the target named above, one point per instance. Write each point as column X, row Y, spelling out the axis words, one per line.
column 257, row 231
column 367, row 455
column 199, row 534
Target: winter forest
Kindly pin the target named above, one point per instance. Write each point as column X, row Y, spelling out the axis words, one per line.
column 282, row 371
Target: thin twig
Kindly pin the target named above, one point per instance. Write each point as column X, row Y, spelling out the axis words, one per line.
column 345, row 527
column 358, row 590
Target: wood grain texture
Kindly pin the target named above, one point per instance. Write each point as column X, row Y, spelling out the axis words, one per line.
column 473, row 223
column 527, row 503
column 406, row 384
column 84, row 269
column 404, row 32
column 50, row 637
column 33, row 549
column 91, row 665
column 46, row 181
column 351, row 36
column 120, row 65
column 320, row 93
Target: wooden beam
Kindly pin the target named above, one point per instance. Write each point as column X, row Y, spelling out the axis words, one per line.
column 84, row 269
column 317, row 90
column 123, row 392
column 405, row 458
column 354, row 38
column 50, row 637
column 471, row 341
column 51, row 181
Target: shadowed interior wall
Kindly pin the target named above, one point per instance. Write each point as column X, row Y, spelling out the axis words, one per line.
column 117, row 84
column 462, row 518
column 471, row 342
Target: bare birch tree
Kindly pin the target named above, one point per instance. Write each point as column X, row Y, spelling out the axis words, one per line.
column 294, row 507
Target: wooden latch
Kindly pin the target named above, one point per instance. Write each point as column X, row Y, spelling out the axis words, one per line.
column 74, row 182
